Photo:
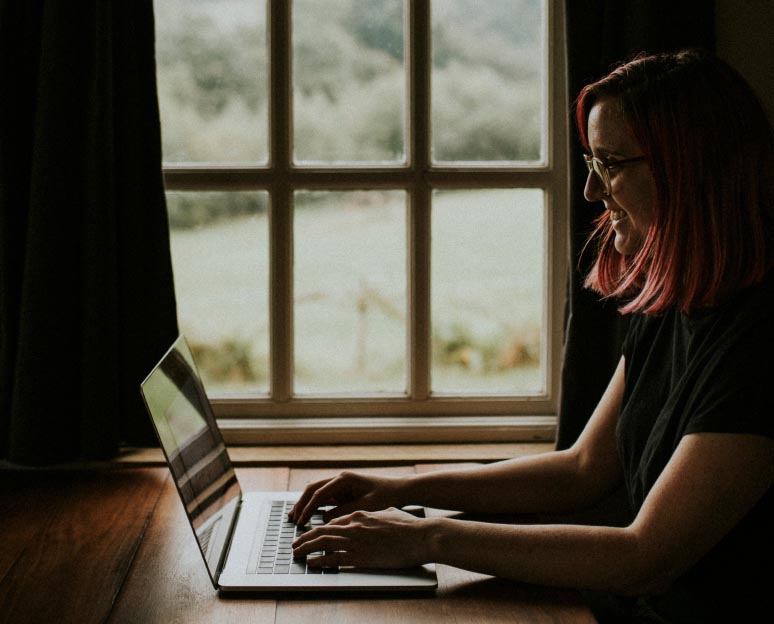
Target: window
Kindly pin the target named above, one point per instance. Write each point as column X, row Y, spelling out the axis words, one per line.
column 367, row 205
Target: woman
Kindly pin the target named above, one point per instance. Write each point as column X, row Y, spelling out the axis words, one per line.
column 680, row 154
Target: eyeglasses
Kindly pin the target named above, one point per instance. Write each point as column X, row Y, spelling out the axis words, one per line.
column 602, row 169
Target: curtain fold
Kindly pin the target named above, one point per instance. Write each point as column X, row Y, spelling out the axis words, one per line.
column 86, row 292
column 601, row 33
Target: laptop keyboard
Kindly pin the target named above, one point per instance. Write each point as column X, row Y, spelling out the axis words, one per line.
column 276, row 556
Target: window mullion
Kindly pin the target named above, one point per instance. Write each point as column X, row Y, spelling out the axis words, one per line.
column 280, row 188
column 557, row 197
column 419, row 199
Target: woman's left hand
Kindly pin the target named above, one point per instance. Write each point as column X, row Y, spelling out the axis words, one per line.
column 384, row 539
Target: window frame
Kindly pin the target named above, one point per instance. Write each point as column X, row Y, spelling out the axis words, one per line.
column 418, row 415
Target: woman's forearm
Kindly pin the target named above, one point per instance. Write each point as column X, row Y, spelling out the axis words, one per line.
column 549, row 482
column 603, row 558
column 559, row 481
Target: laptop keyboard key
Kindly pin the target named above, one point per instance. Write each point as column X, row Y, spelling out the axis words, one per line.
column 276, row 554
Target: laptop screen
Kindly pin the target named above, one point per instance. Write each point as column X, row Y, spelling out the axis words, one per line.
column 194, row 448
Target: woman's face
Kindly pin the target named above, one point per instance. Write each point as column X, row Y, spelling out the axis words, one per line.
column 632, row 187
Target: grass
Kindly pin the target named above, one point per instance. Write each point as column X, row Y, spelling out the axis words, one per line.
column 350, row 266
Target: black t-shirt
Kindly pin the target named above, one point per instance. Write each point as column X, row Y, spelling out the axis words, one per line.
column 709, row 371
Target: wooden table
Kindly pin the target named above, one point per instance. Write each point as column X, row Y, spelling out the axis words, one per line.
column 114, row 546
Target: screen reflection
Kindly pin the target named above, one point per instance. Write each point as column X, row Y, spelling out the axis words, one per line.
column 195, row 451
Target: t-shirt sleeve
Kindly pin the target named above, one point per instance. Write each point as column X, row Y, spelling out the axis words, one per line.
column 735, row 392
column 746, row 409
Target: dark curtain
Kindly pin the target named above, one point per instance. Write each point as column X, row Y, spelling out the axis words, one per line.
column 86, row 293
column 599, row 34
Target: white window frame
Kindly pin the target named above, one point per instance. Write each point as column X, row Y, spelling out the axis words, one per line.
column 419, row 416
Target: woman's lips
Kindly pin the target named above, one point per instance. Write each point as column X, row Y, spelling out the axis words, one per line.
column 617, row 215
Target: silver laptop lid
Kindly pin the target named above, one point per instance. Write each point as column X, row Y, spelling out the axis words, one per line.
column 195, row 451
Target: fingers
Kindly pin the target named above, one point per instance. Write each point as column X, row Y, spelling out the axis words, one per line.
column 328, row 494
column 304, row 498
column 331, row 540
column 339, row 490
column 346, row 492
column 342, row 510
column 303, row 509
column 330, row 560
column 382, row 540
column 338, row 532
column 329, row 550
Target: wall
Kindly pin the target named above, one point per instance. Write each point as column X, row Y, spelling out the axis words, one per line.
column 745, row 39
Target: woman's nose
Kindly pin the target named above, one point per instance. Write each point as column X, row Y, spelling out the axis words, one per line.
column 594, row 189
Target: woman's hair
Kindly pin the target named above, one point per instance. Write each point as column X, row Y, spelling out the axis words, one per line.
column 708, row 144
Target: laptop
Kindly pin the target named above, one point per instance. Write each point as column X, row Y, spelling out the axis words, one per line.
column 244, row 537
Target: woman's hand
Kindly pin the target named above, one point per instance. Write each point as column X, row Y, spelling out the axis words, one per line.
column 347, row 492
column 385, row 539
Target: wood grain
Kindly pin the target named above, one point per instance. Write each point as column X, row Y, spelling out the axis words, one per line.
column 115, row 546
column 68, row 540
column 169, row 582
column 472, row 598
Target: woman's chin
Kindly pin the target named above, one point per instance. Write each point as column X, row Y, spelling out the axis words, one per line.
column 625, row 245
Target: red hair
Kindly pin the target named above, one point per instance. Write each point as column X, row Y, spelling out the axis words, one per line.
column 709, row 146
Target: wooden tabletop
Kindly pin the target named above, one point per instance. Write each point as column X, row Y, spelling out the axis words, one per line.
column 114, row 546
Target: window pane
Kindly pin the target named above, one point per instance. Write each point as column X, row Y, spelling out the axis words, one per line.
column 220, row 259
column 349, row 80
column 487, row 291
column 488, row 73
column 350, row 291
column 212, row 80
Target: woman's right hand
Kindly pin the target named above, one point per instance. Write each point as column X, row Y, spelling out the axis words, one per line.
column 347, row 492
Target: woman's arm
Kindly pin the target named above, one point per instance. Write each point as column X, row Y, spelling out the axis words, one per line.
column 710, row 483
column 550, row 482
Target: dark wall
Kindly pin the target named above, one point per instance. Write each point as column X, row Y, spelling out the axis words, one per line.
column 745, row 40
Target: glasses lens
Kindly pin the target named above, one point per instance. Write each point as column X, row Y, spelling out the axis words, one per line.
column 599, row 169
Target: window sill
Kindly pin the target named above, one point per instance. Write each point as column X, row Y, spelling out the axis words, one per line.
column 387, row 430
column 352, row 455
